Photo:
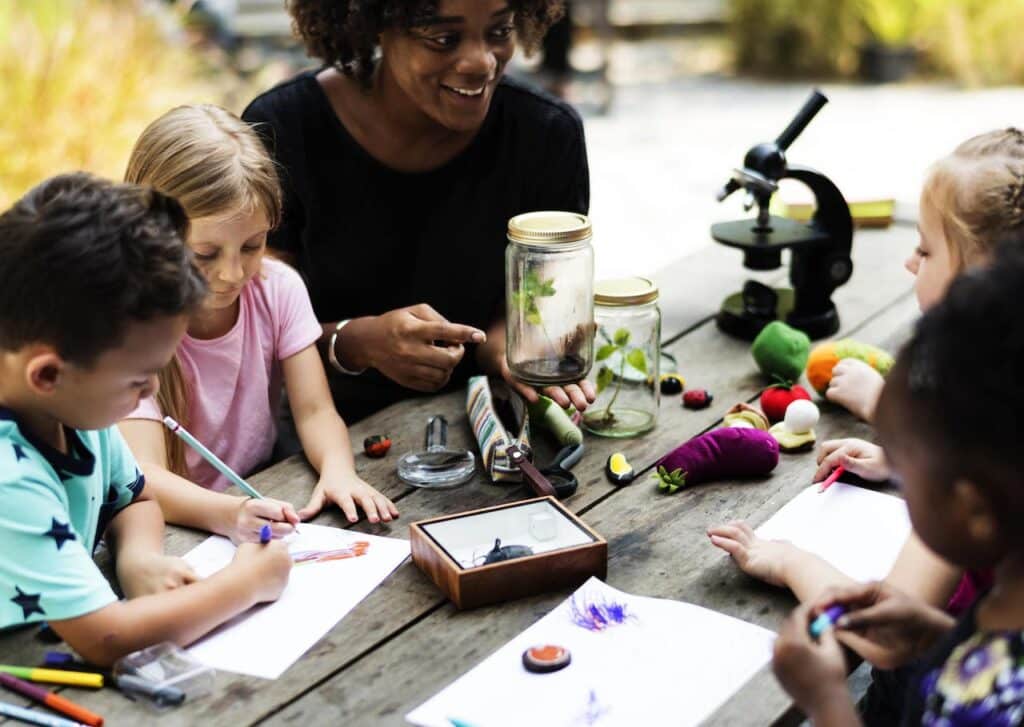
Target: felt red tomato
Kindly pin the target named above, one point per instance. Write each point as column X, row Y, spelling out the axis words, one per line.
column 775, row 400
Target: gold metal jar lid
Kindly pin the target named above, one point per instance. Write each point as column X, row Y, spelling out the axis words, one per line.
column 549, row 228
column 625, row 291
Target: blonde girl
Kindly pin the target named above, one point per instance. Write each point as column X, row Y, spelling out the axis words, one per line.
column 255, row 331
column 972, row 201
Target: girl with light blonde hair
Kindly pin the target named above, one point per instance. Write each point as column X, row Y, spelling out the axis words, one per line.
column 255, row 332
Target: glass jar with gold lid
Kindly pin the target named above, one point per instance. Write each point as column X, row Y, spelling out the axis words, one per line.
column 549, row 298
column 628, row 344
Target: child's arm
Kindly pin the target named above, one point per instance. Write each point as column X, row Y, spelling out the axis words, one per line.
column 186, row 503
column 325, row 441
column 142, row 568
column 258, row 573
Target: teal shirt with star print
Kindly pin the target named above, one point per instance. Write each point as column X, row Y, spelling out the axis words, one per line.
column 54, row 508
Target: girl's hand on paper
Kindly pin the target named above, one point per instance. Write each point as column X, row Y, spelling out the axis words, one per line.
column 349, row 492
column 856, row 387
column 253, row 514
column 884, row 625
column 812, row 672
column 415, row 347
column 762, row 559
column 858, row 457
column 153, row 573
column 268, row 567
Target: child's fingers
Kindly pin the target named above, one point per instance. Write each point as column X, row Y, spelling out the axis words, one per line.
column 858, row 595
column 382, row 503
column 732, row 532
column 370, row 508
column 730, row 546
column 348, row 507
column 266, row 509
column 289, row 514
column 314, row 506
column 280, row 529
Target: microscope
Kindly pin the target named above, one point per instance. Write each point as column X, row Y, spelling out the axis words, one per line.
column 819, row 249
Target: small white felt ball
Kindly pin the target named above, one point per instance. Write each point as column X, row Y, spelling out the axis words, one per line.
column 801, row 415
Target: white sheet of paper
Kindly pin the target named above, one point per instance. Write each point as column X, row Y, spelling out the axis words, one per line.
column 858, row 531
column 267, row 639
column 672, row 663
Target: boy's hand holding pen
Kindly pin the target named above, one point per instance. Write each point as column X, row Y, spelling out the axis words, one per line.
column 271, row 561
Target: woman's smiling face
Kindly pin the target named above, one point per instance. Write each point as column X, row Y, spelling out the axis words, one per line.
column 449, row 64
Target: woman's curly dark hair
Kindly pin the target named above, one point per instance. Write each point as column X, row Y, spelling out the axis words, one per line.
column 343, row 33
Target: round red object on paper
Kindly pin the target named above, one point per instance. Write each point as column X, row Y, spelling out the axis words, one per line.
column 545, row 659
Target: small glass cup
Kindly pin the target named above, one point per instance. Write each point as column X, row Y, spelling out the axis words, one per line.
column 626, row 374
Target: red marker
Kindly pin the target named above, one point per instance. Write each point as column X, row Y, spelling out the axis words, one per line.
column 830, row 480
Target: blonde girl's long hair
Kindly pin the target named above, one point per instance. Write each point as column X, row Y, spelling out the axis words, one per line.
column 978, row 191
column 214, row 164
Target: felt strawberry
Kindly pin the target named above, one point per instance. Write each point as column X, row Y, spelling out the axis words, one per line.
column 697, row 399
column 377, row 445
column 776, row 399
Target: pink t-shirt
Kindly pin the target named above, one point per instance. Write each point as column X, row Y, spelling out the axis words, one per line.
column 235, row 380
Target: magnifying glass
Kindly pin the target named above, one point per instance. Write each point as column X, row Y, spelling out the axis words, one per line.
column 438, row 466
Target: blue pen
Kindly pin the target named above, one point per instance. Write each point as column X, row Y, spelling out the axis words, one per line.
column 460, row 723
column 33, row 717
column 826, row 620
column 265, row 534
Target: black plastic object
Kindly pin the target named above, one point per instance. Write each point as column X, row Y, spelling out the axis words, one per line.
column 558, row 474
column 820, row 249
column 500, row 552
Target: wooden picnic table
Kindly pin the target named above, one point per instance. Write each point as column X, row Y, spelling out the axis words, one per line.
column 405, row 641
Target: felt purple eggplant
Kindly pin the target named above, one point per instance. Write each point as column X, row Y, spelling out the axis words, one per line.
column 719, row 454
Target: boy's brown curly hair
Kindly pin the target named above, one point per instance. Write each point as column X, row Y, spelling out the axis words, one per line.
column 343, row 33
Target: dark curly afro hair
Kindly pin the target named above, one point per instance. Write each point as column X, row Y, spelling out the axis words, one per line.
column 343, row 33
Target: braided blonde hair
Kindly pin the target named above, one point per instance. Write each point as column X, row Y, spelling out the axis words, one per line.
column 978, row 191
column 213, row 163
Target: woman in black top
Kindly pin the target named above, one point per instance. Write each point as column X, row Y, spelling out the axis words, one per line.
column 402, row 161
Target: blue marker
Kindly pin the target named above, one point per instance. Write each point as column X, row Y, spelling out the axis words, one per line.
column 33, row 717
column 265, row 534
column 460, row 723
column 826, row 620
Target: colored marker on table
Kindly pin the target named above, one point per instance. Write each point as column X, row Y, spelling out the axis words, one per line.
column 217, row 463
column 54, row 701
column 33, row 717
column 831, row 479
column 54, row 676
column 826, row 620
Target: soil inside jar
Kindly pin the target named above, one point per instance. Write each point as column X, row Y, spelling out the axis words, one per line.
column 569, row 367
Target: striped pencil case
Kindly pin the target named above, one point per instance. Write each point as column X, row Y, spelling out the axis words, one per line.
column 495, row 412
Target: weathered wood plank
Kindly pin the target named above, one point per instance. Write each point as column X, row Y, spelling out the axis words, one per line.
column 707, row 358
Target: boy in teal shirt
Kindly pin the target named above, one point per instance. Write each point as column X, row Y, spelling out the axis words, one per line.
column 96, row 284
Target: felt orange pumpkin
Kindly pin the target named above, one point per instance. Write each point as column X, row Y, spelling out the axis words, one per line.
column 825, row 357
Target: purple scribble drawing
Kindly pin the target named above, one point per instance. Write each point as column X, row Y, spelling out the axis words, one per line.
column 598, row 615
column 594, row 711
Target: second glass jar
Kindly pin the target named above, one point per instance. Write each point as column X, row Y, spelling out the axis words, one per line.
column 628, row 354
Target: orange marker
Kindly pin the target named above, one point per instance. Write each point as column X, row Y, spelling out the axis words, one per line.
column 51, row 700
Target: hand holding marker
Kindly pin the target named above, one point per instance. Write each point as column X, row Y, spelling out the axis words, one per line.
column 826, row 620
column 215, row 461
column 831, row 479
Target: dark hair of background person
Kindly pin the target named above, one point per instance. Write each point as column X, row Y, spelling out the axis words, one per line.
column 82, row 258
column 344, row 33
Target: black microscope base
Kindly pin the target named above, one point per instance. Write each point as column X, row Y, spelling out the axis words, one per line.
column 733, row 319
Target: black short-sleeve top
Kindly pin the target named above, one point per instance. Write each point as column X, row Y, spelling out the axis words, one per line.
column 368, row 239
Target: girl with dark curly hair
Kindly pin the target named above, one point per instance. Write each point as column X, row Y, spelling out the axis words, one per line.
column 403, row 157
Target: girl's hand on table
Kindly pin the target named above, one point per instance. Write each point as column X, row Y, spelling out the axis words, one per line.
column 856, row 387
column 857, row 457
column 757, row 557
column 253, row 514
column 415, row 347
column 348, row 492
column 812, row 672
